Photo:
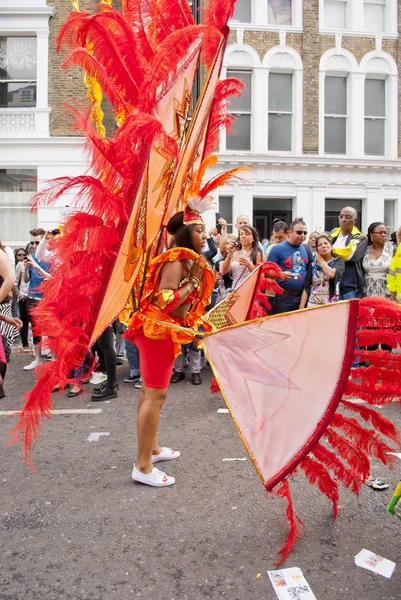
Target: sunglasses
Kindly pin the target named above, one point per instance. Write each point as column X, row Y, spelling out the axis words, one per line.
column 36, row 243
column 301, row 232
column 380, row 232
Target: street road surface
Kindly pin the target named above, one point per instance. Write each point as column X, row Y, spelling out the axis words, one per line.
column 80, row 529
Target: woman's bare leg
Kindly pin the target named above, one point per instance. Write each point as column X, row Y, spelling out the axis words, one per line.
column 156, row 447
column 150, row 403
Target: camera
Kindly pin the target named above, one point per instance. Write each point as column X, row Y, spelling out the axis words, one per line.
column 56, row 231
column 237, row 245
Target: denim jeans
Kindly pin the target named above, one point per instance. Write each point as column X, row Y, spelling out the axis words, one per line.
column 284, row 303
column 350, row 294
column 132, row 353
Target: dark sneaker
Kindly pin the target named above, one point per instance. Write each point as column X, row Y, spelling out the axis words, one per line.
column 176, row 377
column 196, row 379
column 131, row 378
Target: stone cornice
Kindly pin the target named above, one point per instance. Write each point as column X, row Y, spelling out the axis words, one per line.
column 313, row 161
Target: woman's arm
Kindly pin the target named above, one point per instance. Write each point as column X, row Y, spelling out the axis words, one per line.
column 330, row 272
column 304, row 299
column 7, row 273
column 170, row 295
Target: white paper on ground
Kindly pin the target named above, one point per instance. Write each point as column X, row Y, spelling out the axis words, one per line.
column 290, row 584
column 94, row 437
column 225, row 459
column 223, row 410
column 375, row 563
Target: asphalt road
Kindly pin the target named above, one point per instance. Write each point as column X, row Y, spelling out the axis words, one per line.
column 79, row 528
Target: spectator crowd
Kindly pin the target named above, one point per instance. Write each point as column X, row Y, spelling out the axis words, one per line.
column 318, row 268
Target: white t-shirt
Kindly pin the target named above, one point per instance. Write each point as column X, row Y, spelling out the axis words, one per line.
column 341, row 241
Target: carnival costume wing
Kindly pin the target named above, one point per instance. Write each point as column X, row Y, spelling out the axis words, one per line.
column 288, row 383
column 144, row 60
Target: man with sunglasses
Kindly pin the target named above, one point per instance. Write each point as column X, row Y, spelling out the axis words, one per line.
column 293, row 257
column 350, row 244
column 35, row 271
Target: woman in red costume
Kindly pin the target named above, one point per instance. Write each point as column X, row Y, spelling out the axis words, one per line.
column 177, row 289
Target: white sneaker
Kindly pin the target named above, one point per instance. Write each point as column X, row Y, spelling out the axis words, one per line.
column 33, row 365
column 155, row 478
column 98, row 378
column 165, row 454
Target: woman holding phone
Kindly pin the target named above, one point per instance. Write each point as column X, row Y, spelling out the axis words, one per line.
column 242, row 256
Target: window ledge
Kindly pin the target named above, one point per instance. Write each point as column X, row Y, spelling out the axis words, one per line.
column 254, row 27
column 47, row 11
column 349, row 33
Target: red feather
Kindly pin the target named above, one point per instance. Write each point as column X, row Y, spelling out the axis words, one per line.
column 156, row 20
column 218, row 12
column 82, row 258
column 221, row 179
column 356, row 458
column 88, row 187
column 284, row 492
column 368, row 441
column 214, row 386
column 318, row 474
column 379, row 422
column 220, row 118
column 347, row 476
column 170, row 60
column 371, row 392
column 376, row 311
column 381, row 358
column 92, row 66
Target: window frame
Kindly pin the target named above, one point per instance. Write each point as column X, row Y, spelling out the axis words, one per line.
column 279, row 113
column 232, row 71
column 374, row 117
column 260, row 20
column 337, row 116
column 355, row 20
column 4, row 81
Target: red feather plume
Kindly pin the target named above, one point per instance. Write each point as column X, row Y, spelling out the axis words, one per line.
column 218, row 13
column 329, row 459
column 284, row 492
column 220, row 118
column 319, row 475
column 366, row 439
column 356, row 458
column 379, row 422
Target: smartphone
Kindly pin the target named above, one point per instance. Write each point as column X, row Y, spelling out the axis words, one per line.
column 218, row 226
column 56, row 231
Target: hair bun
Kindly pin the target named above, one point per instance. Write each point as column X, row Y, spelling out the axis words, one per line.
column 175, row 223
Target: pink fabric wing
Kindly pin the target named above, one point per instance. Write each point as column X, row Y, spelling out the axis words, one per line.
column 282, row 378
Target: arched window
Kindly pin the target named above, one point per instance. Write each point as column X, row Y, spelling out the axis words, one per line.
column 283, row 68
column 240, row 62
column 337, row 106
column 380, row 126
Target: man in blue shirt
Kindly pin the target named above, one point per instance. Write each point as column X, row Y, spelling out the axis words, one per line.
column 293, row 258
column 35, row 271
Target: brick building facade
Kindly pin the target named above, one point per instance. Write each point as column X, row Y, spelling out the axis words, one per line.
column 323, row 111
column 318, row 123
